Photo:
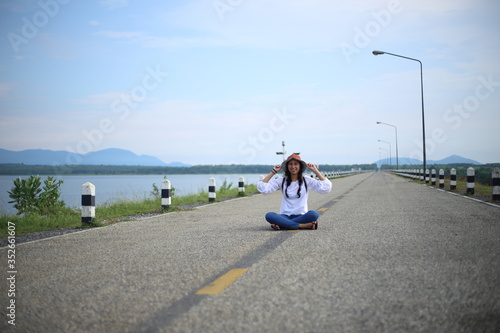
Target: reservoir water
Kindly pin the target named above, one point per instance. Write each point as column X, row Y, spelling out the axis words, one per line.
column 123, row 187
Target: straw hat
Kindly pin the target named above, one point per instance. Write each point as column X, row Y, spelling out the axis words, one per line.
column 293, row 157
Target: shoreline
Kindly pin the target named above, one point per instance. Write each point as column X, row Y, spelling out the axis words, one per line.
column 43, row 234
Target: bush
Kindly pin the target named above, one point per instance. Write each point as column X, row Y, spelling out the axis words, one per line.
column 29, row 197
column 225, row 187
column 156, row 192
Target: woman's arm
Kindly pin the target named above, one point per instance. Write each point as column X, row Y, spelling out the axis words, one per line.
column 323, row 185
column 314, row 169
column 274, row 171
column 268, row 185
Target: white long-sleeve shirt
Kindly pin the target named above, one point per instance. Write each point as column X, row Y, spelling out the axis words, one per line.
column 293, row 205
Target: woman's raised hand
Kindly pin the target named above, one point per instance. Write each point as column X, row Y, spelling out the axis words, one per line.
column 312, row 167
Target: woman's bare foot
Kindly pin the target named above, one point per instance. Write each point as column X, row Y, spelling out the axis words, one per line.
column 275, row 227
column 312, row 225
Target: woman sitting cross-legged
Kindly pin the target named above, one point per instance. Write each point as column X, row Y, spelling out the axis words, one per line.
column 294, row 213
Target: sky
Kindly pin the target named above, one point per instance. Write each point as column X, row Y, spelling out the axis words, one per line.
column 230, row 81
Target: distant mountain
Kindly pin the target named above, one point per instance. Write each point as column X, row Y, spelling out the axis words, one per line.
column 453, row 159
column 110, row 156
column 178, row 164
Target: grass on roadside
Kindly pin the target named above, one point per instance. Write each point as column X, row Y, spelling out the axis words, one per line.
column 481, row 191
column 109, row 213
column 64, row 218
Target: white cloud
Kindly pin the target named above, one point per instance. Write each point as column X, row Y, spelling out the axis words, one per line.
column 120, row 34
column 301, row 23
column 100, row 99
column 148, row 41
column 310, row 25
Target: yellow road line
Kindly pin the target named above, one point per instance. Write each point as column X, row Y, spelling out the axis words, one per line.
column 222, row 282
column 322, row 209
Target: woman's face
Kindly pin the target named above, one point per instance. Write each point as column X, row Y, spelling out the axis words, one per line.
column 294, row 167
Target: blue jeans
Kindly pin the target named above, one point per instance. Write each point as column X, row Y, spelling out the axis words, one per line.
column 291, row 221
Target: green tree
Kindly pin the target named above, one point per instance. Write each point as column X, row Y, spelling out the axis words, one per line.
column 30, row 197
column 49, row 197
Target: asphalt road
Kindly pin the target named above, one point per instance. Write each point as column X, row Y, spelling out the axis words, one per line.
column 390, row 255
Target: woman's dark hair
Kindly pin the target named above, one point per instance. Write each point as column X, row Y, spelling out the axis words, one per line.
column 288, row 179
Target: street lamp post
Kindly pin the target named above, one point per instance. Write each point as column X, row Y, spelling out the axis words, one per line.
column 390, row 152
column 421, row 93
column 283, row 152
column 397, row 154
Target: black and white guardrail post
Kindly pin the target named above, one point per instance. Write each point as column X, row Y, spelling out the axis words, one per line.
column 166, row 192
column 426, row 175
column 471, row 173
column 241, row 186
column 441, row 178
column 211, row 190
column 88, row 203
column 453, row 179
column 433, row 177
column 495, row 175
